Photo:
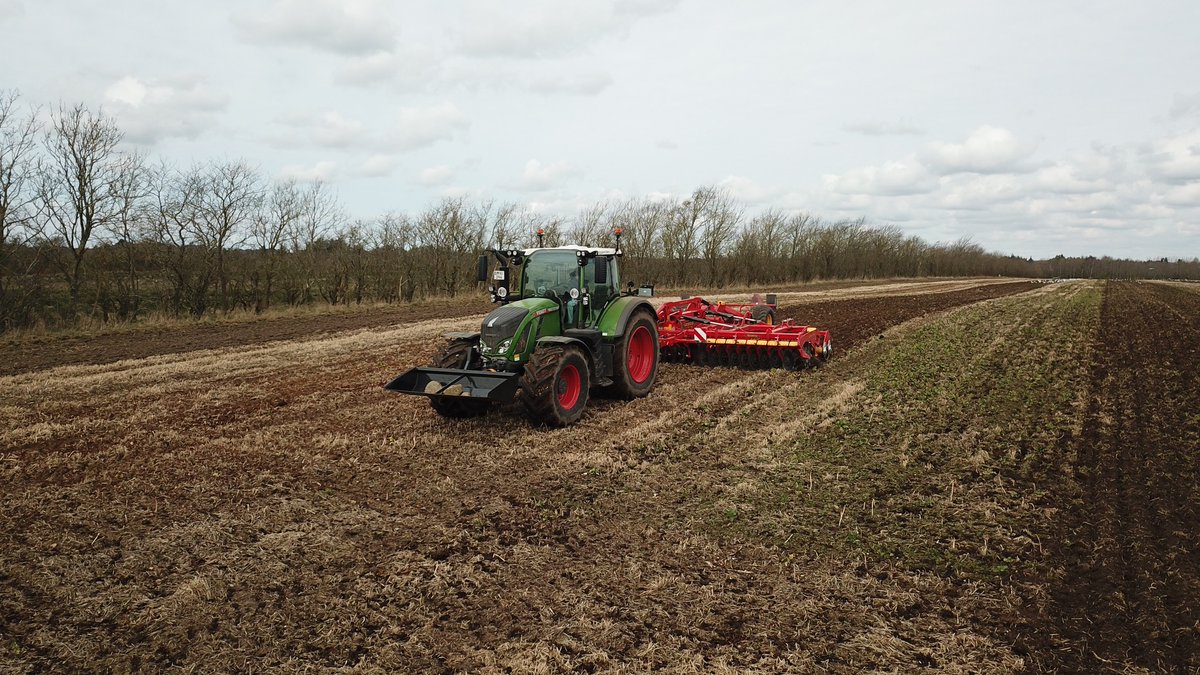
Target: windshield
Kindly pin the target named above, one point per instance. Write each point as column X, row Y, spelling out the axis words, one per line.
column 545, row 271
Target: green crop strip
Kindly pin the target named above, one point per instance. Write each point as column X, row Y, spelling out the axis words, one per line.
column 929, row 464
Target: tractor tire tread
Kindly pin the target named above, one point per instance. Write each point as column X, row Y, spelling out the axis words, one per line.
column 537, row 394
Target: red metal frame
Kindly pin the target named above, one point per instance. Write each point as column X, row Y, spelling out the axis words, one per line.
column 695, row 330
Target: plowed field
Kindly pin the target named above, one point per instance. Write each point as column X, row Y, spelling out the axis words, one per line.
column 1126, row 557
column 264, row 504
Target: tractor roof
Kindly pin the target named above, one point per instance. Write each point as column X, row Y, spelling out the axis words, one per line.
column 574, row 247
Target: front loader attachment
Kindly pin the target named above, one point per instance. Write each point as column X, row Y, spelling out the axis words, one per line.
column 447, row 382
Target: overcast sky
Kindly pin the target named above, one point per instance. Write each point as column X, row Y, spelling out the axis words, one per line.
column 1033, row 127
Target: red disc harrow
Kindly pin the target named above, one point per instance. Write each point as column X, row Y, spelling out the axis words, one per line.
column 745, row 335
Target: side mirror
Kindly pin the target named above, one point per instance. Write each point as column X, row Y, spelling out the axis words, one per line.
column 600, row 274
column 481, row 272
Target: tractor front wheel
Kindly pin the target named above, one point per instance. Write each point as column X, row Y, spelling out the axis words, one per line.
column 554, row 386
column 458, row 354
column 635, row 359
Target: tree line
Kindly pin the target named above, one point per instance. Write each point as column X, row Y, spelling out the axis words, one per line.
column 91, row 229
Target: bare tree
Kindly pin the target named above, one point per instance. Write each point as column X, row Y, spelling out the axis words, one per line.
column 504, row 225
column 230, row 199
column 173, row 202
column 281, row 209
column 321, row 213
column 587, row 229
column 451, row 232
column 129, row 191
column 721, row 217
column 77, row 185
column 395, row 271
column 18, row 203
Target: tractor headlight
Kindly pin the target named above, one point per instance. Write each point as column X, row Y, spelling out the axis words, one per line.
column 503, row 346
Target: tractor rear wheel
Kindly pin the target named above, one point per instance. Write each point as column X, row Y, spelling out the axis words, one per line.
column 457, row 354
column 763, row 313
column 554, row 386
column 635, row 359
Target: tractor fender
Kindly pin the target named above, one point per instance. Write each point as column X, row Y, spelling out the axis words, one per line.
column 616, row 316
column 564, row 340
column 462, row 336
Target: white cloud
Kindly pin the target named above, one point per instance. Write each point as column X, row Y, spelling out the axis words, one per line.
column 904, row 177
column 881, row 128
column 539, row 177
column 411, row 128
column 410, row 65
column 666, row 144
column 417, row 127
column 987, row 150
column 1185, row 106
column 587, row 84
column 413, row 66
column 1175, row 159
column 747, row 190
column 1096, row 204
column 1183, row 195
column 322, row 172
column 329, row 129
column 151, row 110
column 11, row 9
column 435, row 175
column 1064, row 177
column 376, row 166
column 339, row 26
column 978, row 192
column 545, row 28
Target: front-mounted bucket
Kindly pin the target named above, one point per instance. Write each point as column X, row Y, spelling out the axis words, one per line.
column 436, row 382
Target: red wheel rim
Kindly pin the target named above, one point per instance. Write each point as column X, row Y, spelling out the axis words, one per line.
column 568, row 387
column 640, row 354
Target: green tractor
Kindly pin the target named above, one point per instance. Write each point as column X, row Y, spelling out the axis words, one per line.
column 564, row 328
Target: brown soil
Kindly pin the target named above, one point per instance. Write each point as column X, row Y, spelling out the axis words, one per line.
column 1123, row 567
column 269, row 507
column 28, row 356
column 853, row 320
column 59, row 350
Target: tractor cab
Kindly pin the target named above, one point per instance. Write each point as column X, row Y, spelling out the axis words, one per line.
column 581, row 280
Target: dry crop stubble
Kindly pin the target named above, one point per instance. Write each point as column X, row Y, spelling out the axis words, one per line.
column 270, row 506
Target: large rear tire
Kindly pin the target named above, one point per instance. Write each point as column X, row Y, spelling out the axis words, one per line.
column 635, row 359
column 763, row 313
column 457, row 354
column 554, row 386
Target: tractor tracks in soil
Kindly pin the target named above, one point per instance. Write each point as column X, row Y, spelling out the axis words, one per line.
column 1123, row 586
